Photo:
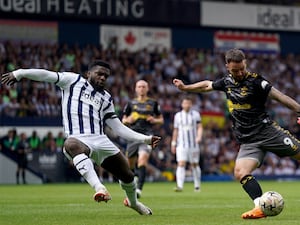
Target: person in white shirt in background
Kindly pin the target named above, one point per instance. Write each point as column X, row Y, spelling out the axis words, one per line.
column 186, row 137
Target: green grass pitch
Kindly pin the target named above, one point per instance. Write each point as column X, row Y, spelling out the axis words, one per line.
column 71, row 204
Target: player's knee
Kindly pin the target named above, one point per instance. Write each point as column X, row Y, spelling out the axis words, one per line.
column 143, row 161
column 238, row 173
column 75, row 147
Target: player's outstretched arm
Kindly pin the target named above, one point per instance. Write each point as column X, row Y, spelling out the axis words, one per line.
column 285, row 100
column 32, row 74
column 202, row 86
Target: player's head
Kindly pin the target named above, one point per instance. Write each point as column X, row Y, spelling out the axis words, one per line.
column 98, row 72
column 141, row 88
column 186, row 103
column 236, row 64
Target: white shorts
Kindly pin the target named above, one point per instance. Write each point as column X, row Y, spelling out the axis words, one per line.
column 191, row 155
column 100, row 146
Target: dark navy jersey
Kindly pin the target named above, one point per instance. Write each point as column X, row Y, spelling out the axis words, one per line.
column 246, row 103
column 141, row 110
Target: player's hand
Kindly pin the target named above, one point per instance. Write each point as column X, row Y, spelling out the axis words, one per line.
column 173, row 149
column 155, row 140
column 8, row 78
column 298, row 120
column 129, row 120
column 178, row 83
column 150, row 119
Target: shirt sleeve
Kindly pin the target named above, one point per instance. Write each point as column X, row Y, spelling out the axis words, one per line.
column 36, row 75
column 176, row 120
column 263, row 85
column 65, row 79
column 219, row 85
column 61, row 79
column 198, row 117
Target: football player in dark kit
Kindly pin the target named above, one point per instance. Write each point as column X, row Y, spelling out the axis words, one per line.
column 246, row 94
column 141, row 114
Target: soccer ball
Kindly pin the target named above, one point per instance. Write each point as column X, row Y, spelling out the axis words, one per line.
column 271, row 203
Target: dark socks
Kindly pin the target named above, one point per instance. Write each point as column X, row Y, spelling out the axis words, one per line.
column 17, row 177
column 251, row 186
column 23, row 177
column 142, row 177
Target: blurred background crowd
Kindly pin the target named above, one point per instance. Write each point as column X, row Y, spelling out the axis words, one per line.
column 30, row 99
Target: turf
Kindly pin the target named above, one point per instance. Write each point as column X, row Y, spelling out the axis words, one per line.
column 70, row 204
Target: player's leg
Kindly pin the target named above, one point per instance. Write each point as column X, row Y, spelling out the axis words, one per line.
column 143, row 153
column 181, row 158
column 79, row 152
column 180, row 175
column 248, row 159
column 18, row 175
column 242, row 172
column 132, row 155
column 132, row 163
column 118, row 166
column 194, row 158
column 142, row 162
column 23, row 175
column 274, row 139
column 196, row 176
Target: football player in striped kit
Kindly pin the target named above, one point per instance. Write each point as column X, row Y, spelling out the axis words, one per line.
column 86, row 107
column 186, row 137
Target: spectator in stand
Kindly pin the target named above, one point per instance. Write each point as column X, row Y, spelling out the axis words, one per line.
column 48, row 143
column 10, row 142
column 21, row 151
column 34, row 142
column 23, row 108
column 59, row 141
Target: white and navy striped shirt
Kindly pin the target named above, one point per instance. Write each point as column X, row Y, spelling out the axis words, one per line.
column 187, row 125
column 84, row 109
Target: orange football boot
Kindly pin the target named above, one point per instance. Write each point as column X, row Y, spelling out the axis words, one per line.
column 255, row 213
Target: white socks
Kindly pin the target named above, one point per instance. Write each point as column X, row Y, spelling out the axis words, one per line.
column 85, row 167
column 256, row 202
column 130, row 190
column 197, row 176
column 180, row 176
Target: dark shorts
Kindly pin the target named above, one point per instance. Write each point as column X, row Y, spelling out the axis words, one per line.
column 133, row 148
column 22, row 161
column 271, row 139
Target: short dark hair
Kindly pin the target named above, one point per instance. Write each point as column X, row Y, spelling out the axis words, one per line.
column 234, row 55
column 187, row 97
column 99, row 63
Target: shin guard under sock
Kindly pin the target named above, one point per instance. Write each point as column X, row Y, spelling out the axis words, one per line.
column 251, row 186
column 142, row 177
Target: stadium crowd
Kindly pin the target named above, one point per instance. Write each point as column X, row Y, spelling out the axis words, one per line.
column 32, row 99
